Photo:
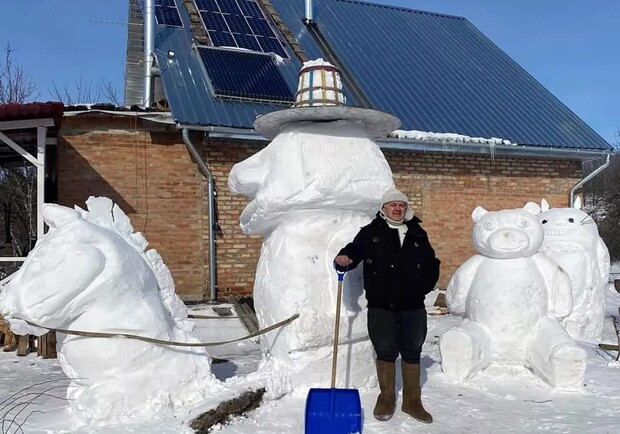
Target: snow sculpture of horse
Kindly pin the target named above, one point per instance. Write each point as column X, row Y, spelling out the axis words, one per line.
column 572, row 240
column 512, row 297
column 90, row 272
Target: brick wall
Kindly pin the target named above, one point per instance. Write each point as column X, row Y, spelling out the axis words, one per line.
column 445, row 189
column 153, row 178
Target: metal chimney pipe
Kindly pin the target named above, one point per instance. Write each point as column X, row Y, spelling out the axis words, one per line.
column 309, row 15
column 149, row 43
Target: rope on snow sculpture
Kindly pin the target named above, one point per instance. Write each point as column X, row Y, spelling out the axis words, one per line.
column 160, row 341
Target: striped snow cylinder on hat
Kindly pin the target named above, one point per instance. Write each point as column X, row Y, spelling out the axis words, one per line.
column 319, row 85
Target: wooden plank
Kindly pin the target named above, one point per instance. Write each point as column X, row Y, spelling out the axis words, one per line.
column 246, row 315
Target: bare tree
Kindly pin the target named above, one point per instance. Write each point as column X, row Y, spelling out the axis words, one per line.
column 111, row 93
column 18, row 230
column 602, row 197
column 84, row 92
column 16, row 86
column 80, row 92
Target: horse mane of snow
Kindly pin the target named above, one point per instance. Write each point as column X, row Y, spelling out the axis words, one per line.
column 102, row 212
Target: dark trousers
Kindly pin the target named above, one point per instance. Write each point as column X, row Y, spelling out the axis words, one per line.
column 394, row 332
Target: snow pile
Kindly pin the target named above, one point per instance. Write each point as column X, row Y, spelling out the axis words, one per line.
column 572, row 240
column 90, row 273
column 425, row 136
column 311, row 189
column 512, row 297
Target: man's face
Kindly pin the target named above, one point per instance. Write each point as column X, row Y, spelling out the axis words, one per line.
column 395, row 210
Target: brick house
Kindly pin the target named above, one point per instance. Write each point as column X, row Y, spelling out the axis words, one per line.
column 436, row 73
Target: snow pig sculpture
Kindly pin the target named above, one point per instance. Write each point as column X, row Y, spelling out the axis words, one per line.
column 512, row 298
column 572, row 240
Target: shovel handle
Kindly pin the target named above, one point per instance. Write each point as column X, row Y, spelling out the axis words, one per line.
column 337, row 328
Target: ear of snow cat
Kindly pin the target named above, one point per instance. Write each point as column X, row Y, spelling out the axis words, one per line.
column 478, row 213
column 544, row 205
column 578, row 204
column 532, row 208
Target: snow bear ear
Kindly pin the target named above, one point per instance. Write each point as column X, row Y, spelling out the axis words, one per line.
column 544, row 205
column 478, row 213
column 532, row 208
column 577, row 204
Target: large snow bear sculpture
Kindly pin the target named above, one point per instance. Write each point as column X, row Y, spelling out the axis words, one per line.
column 572, row 240
column 511, row 298
column 312, row 188
column 91, row 272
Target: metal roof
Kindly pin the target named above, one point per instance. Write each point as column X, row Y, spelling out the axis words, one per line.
column 435, row 72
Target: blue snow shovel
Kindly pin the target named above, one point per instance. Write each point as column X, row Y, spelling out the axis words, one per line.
column 334, row 411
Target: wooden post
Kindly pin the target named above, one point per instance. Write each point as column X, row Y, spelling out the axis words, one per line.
column 47, row 346
column 25, row 344
column 6, row 335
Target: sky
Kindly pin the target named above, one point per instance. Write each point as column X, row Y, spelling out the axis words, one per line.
column 570, row 46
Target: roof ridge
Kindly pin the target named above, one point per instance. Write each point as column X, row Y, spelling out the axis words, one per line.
column 403, row 9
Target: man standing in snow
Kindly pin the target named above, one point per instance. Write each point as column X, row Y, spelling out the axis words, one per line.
column 400, row 268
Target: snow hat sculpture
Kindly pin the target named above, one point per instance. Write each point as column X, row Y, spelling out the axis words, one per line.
column 319, row 180
column 572, row 240
column 320, row 98
column 91, row 272
column 511, row 297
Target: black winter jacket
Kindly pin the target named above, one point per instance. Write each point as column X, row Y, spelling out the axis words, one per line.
column 395, row 277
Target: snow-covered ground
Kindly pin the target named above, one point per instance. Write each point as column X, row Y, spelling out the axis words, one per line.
column 501, row 399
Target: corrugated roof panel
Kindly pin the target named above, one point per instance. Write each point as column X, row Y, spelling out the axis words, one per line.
column 435, row 72
column 439, row 73
column 188, row 90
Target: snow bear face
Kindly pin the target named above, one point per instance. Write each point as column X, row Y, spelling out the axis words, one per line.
column 507, row 234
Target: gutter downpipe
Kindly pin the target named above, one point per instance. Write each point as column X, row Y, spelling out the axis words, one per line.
column 212, row 223
column 571, row 196
column 149, row 43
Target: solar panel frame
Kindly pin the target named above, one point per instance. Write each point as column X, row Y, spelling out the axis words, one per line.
column 260, row 27
column 229, row 7
column 214, row 21
column 250, row 9
column 244, row 75
column 271, row 45
column 207, row 5
column 168, row 16
column 239, row 23
column 247, row 41
column 169, row 3
column 222, row 39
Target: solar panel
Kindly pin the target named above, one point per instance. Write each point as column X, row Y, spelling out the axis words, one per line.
column 239, row 23
column 242, row 74
column 167, row 14
column 170, row 3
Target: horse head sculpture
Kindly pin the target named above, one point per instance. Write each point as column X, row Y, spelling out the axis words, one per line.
column 90, row 272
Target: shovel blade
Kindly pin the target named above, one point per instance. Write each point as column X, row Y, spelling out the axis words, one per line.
column 333, row 411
